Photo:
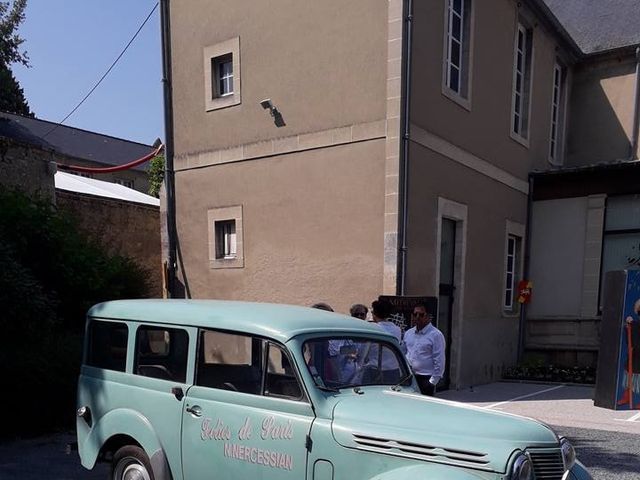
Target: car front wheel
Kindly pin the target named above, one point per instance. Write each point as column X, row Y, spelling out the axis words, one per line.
column 131, row 463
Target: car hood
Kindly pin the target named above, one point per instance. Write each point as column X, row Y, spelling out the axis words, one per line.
column 414, row 426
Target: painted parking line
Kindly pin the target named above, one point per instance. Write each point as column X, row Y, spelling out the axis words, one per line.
column 521, row 397
column 633, row 418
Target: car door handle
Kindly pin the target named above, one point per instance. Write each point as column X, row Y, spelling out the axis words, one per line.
column 196, row 411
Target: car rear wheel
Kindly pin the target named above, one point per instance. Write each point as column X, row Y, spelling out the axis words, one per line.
column 131, row 463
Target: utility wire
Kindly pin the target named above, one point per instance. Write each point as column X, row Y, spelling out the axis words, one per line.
column 105, row 73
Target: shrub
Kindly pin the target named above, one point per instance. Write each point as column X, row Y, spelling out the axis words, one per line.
column 51, row 274
column 539, row 371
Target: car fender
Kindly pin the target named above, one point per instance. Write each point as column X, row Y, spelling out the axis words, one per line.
column 433, row 470
column 128, row 422
column 579, row 472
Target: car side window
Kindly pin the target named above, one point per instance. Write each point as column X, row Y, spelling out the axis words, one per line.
column 107, row 346
column 162, row 353
column 230, row 362
column 280, row 379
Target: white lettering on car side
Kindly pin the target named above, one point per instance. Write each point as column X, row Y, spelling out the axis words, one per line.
column 270, row 429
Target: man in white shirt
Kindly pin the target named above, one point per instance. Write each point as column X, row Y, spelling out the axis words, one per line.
column 425, row 346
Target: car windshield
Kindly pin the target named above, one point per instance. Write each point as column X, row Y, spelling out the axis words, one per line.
column 340, row 362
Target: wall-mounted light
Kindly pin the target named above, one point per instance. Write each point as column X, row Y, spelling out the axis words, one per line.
column 267, row 104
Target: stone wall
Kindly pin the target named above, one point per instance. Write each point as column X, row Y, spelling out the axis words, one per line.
column 125, row 228
column 565, row 342
column 26, row 168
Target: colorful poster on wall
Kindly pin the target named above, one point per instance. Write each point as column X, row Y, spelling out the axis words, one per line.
column 403, row 307
column 628, row 385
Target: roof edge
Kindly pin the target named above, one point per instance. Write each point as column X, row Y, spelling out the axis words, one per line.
column 587, row 168
column 76, row 128
column 543, row 11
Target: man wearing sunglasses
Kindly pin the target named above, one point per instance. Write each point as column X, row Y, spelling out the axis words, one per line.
column 425, row 346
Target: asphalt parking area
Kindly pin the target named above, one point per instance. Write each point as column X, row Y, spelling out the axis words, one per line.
column 607, row 441
column 45, row 458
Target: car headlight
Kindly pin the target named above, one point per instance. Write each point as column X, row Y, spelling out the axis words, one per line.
column 522, row 468
column 568, row 453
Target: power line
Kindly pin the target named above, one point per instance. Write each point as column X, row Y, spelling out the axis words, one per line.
column 105, row 73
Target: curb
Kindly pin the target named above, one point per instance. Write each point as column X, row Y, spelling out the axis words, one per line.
column 542, row 382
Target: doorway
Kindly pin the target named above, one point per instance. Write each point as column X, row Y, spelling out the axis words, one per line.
column 446, row 292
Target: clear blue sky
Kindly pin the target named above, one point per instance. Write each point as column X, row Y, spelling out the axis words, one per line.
column 71, row 43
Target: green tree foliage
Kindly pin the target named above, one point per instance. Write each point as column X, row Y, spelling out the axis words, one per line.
column 51, row 274
column 12, row 97
column 156, row 175
column 65, row 272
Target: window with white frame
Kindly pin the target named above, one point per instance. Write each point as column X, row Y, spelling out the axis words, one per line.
column 226, row 243
column 225, row 237
column 557, row 114
column 222, row 82
column 511, row 272
column 458, row 40
column 522, row 81
column 124, row 182
column 222, row 75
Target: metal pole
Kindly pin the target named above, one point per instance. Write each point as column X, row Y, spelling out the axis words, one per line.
column 404, row 153
column 169, row 174
column 525, row 271
column 636, row 111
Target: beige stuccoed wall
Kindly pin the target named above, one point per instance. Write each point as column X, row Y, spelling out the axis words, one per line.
column 484, row 129
column 312, row 226
column 601, row 112
column 323, row 64
column 484, row 339
column 313, row 191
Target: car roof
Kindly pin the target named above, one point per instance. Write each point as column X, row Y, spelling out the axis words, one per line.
column 280, row 322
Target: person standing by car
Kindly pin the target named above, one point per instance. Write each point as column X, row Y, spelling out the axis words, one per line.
column 381, row 311
column 358, row 310
column 425, row 346
column 375, row 363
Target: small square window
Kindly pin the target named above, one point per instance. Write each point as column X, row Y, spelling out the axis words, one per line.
column 225, row 237
column 226, row 242
column 222, row 82
column 222, row 76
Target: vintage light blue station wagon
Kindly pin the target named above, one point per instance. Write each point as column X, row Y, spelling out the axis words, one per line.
column 195, row 390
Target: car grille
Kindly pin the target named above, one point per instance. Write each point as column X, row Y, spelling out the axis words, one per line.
column 547, row 464
column 424, row 452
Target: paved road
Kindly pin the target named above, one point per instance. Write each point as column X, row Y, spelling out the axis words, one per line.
column 607, row 442
column 44, row 458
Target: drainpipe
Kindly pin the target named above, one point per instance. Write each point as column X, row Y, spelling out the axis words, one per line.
column 636, row 111
column 404, row 150
column 525, row 268
column 169, row 174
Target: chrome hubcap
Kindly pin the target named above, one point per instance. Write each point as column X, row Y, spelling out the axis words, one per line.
column 130, row 469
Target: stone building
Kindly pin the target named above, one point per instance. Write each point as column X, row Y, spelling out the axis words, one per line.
column 334, row 151
column 123, row 220
column 585, row 216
